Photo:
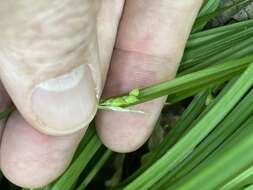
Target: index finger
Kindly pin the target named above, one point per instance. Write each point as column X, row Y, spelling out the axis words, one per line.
column 150, row 44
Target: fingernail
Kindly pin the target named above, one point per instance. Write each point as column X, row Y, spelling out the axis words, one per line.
column 67, row 103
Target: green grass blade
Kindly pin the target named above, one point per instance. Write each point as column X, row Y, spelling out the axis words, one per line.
column 186, row 121
column 243, row 48
column 179, row 96
column 186, row 145
column 192, row 111
column 201, row 21
column 195, row 56
column 192, row 80
column 89, row 134
column 250, row 187
column 170, row 177
column 6, row 112
column 227, row 127
column 210, row 36
column 240, row 181
column 187, row 82
column 94, row 170
column 70, row 177
column 208, row 7
column 190, row 114
column 234, row 156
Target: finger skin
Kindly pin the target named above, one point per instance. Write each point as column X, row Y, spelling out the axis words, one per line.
column 41, row 43
column 31, row 159
column 150, row 44
column 109, row 15
column 4, row 103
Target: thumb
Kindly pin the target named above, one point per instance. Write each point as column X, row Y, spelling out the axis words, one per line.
column 50, row 63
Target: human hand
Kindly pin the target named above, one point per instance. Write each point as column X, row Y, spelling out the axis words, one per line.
column 54, row 59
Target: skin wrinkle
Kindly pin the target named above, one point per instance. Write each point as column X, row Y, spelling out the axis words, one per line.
column 158, row 57
column 30, row 69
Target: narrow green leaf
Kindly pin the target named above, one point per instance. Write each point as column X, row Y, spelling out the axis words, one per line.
column 189, row 81
column 201, row 21
column 240, row 181
column 243, row 48
column 70, row 177
column 95, row 170
column 224, row 130
column 89, row 134
column 186, row 145
column 208, row 7
column 250, row 187
column 192, row 111
column 211, row 35
column 239, row 145
column 7, row 112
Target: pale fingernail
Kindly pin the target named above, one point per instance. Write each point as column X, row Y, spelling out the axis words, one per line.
column 65, row 104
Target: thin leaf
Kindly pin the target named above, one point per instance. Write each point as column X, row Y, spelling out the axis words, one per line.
column 186, row 145
column 190, row 81
column 70, row 177
column 95, row 170
column 226, row 157
column 7, row 112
